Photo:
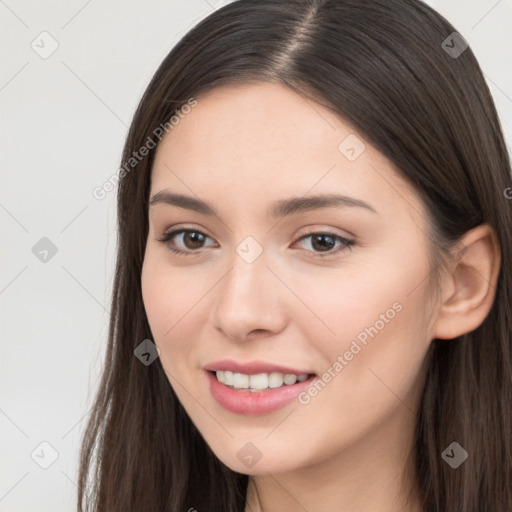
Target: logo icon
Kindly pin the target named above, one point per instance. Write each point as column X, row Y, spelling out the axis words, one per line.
column 454, row 455
column 249, row 249
column 44, row 250
column 44, row 455
column 351, row 147
column 249, row 455
column 44, row 45
column 454, row 45
column 146, row 352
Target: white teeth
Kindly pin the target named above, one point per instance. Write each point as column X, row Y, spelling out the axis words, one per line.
column 240, row 381
column 290, row 379
column 275, row 380
column 228, row 378
column 259, row 381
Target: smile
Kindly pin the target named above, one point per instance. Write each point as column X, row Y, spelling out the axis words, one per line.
column 260, row 381
column 258, row 400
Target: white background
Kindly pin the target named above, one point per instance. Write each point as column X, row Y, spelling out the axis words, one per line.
column 63, row 124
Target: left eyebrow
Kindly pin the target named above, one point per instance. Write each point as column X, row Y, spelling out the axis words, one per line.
column 294, row 205
column 280, row 208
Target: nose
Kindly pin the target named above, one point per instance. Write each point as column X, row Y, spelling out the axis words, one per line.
column 250, row 301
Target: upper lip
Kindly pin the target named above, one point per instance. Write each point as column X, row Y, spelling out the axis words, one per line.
column 252, row 367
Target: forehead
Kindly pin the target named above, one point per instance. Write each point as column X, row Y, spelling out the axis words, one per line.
column 257, row 119
column 266, row 141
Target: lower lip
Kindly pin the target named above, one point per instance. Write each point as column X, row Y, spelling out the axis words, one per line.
column 255, row 403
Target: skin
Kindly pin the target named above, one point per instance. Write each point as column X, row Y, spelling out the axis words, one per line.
column 240, row 149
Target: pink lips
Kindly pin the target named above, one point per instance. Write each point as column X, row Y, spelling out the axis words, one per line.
column 252, row 367
column 251, row 403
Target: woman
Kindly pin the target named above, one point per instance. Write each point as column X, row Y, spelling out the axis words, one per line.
column 312, row 294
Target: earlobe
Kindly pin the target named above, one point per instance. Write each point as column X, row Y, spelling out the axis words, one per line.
column 471, row 284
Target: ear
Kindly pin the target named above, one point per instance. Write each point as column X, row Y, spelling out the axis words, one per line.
column 469, row 288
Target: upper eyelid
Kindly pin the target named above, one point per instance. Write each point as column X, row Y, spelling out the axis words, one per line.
column 310, row 231
column 180, row 230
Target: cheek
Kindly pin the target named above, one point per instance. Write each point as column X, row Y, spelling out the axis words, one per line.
column 168, row 295
column 374, row 318
column 379, row 289
column 166, row 301
column 174, row 305
column 341, row 304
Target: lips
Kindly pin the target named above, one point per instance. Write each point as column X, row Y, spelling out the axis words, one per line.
column 247, row 403
column 253, row 367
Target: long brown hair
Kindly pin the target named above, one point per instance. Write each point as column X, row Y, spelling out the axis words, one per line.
column 383, row 66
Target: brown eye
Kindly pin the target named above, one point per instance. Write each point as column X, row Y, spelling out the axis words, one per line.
column 326, row 242
column 189, row 240
column 323, row 242
column 193, row 239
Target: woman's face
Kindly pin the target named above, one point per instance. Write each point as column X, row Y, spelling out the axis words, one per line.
column 260, row 281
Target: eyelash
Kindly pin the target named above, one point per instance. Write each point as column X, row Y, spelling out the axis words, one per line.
column 167, row 237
